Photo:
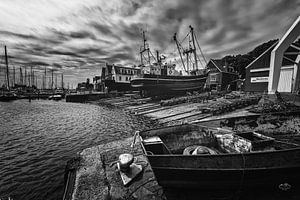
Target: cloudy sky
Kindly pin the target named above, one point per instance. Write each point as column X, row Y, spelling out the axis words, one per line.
column 76, row 37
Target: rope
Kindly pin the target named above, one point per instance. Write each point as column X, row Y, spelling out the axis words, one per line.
column 185, row 38
column 200, row 50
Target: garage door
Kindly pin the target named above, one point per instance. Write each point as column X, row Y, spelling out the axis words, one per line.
column 285, row 80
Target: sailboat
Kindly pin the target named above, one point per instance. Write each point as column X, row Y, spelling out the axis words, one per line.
column 7, row 95
column 157, row 79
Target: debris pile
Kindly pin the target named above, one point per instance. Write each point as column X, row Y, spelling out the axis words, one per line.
column 192, row 98
column 267, row 105
column 272, row 125
column 230, row 104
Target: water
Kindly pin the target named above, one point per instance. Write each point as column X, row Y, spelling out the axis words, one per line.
column 37, row 138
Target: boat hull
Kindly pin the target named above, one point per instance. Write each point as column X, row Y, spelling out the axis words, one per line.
column 222, row 177
column 112, row 85
column 153, row 85
column 274, row 168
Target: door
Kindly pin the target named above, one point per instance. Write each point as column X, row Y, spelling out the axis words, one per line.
column 285, row 80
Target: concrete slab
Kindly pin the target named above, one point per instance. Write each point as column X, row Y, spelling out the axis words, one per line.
column 98, row 177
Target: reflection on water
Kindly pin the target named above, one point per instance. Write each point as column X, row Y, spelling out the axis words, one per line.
column 37, row 138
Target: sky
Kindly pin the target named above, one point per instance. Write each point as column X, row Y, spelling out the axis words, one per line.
column 77, row 37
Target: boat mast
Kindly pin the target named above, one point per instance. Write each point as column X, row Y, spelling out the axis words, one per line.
column 7, row 71
column 21, row 76
column 25, row 79
column 194, row 50
column 191, row 49
column 45, row 79
column 177, row 44
column 31, row 80
column 14, row 76
column 62, row 81
column 52, row 79
column 144, row 48
column 55, row 81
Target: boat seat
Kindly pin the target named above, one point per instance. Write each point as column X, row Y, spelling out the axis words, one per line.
column 154, row 145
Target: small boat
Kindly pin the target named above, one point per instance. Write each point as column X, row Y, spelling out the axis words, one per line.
column 57, row 97
column 8, row 97
column 195, row 156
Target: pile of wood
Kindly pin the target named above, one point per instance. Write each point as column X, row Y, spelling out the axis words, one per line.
column 195, row 98
column 227, row 105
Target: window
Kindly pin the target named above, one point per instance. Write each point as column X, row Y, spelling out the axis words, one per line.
column 126, row 78
column 120, row 78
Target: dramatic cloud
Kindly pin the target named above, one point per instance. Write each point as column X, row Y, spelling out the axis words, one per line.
column 77, row 37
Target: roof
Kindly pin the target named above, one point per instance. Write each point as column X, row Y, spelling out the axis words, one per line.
column 219, row 64
column 266, row 51
column 287, row 59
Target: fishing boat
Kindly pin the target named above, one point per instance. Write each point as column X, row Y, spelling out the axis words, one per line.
column 158, row 79
column 195, row 156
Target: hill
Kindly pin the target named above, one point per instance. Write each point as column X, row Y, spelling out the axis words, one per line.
column 239, row 62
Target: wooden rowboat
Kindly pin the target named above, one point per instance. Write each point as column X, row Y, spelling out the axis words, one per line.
column 220, row 159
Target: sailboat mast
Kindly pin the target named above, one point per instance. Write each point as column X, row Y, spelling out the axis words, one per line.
column 175, row 39
column 52, row 80
column 31, row 82
column 14, row 75
column 194, row 51
column 7, row 71
column 45, row 81
column 62, row 81
column 21, row 76
column 55, row 81
column 25, row 80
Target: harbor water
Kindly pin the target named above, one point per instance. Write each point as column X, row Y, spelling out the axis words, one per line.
column 37, row 138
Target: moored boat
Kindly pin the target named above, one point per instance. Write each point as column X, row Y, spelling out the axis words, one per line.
column 158, row 79
column 8, row 97
column 194, row 156
column 152, row 85
column 57, row 97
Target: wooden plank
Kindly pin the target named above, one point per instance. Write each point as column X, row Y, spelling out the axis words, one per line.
column 139, row 106
column 243, row 113
column 184, row 116
column 146, row 108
